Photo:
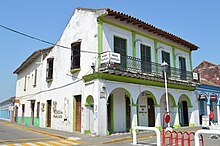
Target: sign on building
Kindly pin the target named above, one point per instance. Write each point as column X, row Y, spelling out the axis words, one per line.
column 110, row 57
column 205, row 121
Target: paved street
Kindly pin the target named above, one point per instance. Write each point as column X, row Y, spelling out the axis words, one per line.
column 17, row 134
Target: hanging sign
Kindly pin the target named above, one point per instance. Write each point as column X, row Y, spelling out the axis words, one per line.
column 110, row 57
column 213, row 97
column 195, row 76
column 202, row 97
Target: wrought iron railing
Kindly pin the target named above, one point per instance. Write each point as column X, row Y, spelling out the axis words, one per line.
column 136, row 65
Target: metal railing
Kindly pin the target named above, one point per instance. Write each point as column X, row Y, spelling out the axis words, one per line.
column 136, row 65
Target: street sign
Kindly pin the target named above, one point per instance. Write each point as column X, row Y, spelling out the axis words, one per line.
column 110, row 57
column 205, row 121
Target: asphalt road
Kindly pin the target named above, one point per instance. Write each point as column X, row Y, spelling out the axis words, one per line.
column 10, row 134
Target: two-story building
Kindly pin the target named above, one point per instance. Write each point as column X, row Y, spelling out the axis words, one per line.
column 85, row 85
column 208, row 91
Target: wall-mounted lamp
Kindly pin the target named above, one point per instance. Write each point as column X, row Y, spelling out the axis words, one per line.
column 159, row 48
column 102, row 93
column 93, row 66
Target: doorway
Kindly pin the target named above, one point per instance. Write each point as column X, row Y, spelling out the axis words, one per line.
column 78, row 113
column 110, row 109
column 23, row 111
column 32, row 112
column 128, row 113
column 49, row 113
column 151, row 112
column 184, row 114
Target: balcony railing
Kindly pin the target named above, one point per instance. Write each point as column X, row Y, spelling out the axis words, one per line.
column 136, row 65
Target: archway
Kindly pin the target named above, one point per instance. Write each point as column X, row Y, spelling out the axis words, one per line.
column 90, row 113
column 184, row 103
column 146, row 109
column 163, row 108
column 119, row 110
column 202, row 106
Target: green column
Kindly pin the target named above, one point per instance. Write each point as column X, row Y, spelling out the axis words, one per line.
column 99, row 40
column 133, row 48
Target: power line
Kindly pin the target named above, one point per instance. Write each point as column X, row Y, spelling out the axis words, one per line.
column 41, row 40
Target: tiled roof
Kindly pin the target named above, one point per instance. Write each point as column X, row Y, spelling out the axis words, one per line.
column 31, row 58
column 209, row 73
column 145, row 26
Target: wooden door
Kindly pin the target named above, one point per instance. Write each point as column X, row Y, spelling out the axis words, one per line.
column 32, row 113
column 78, row 113
column 151, row 112
column 128, row 113
column 23, row 111
column 110, row 117
column 49, row 113
column 184, row 108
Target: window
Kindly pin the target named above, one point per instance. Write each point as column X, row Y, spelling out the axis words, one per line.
column 182, row 65
column 120, row 46
column 75, row 55
column 145, row 58
column 35, row 78
column 49, row 69
column 38, row 109
column 25, row 83
column 166, row 58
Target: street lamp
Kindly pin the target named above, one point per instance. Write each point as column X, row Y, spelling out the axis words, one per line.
column 165, row 66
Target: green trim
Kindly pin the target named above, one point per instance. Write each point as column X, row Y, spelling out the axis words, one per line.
column 174, row 57
column 190, row 60
column 49, row 80
column 141, row 33
column 172, row 99
column 134, row 48
column 174, row 60
column 134, row 104
column 156, row 105
column 74, row 113
column 105, row 76
column 188, row 101
column 176, row 126
column 88, row 100
column 75, row 70
column 156, row 54
column 177, row 106
column 37, row 122
column 191, row 124
column 100, row 39
column 27, row 121
column 87, row 132
column 107, row 133
column 153, row 97
column 159, row 127
column 137, row 114
column 112, row 113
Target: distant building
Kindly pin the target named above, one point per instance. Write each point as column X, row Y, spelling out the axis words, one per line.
column 6, row 109
column 208, row 93
column 105, row 75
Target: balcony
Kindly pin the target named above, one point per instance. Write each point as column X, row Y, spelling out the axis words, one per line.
column 137, row 68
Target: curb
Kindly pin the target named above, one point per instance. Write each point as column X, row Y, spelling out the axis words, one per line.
column 41, row 132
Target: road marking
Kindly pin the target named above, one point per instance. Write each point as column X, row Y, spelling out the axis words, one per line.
column 45, row 143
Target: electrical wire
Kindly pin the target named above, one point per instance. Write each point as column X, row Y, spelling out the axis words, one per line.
column 41, row 40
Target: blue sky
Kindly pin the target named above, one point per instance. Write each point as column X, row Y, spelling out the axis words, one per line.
column 195, row 21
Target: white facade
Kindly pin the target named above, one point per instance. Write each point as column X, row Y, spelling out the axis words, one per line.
column 116, row 110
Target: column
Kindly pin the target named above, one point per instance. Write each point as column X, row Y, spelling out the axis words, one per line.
column 176, row 117
column 134, row 116
column 158, row 120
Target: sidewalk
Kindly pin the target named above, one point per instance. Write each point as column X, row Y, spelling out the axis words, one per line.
column 87, row 138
